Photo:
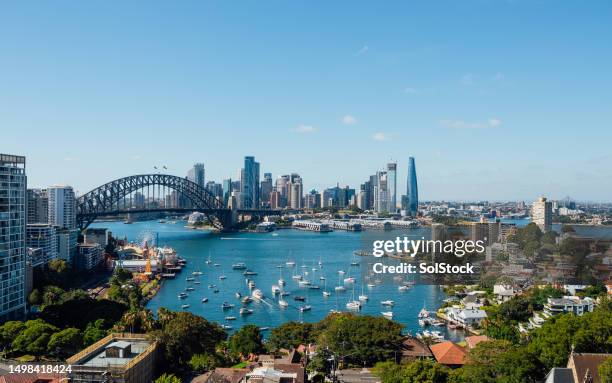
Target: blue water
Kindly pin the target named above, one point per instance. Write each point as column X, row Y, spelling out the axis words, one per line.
column 262, row 253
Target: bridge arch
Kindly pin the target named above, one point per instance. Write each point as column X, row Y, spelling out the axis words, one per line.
column 106, row 199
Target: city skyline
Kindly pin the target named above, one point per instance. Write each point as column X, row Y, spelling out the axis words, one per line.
column 486, row 107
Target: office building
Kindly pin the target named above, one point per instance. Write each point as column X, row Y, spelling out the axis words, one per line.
column 541, row 214
column 62, row 206
column 227, row 190
column 215, row 189
column 275, row 198
column 197, row 174
column 392, row 187
column 249, row 183
column 38, row 206
column 266, row 189
column 412, row 190
column 13, row 215
column 296, row 191
column 42, row 236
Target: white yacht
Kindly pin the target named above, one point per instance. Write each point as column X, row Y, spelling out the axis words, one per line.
column 283, row 303
column 257, row 294
column 387, row 314
column 388, row 303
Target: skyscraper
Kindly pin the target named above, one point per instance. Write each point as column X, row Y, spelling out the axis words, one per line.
column 541, row 214
column 62, row 206
column 392, row 187
column 197, row 174
column 381, row 193
column 13, row 214
column 249, row 183
column 38, row 206
column 412, row 190
column 227, row 190
column 266, row 189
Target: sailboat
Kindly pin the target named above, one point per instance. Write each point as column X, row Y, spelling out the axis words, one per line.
column 362, row 297
column 283, row 303
column 353, row 304
column 281, row 280
column 208, row 261
column 325, row 292
column 340, row 287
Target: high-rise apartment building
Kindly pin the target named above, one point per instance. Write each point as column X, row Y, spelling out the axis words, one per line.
column 42, row 236
column 381, row 193
column 392, row 187
column 38, row 206
column 62, row 206
column 282, row 183
column 197, row 174
column 249, row 183
column 541, row 214
column 13, row 215
column 412, row 190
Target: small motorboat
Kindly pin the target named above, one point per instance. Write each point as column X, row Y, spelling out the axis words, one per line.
column 189, row 279
column 245, row 311
column 238, row 295
column 387, row 314
column 204, row 300
column 305, row 308
column 299, row 298
column 230, row 318
column 353, row 305
column 249, row 272
column 185, row 306
column 227, row 306
column 340, row 288
column 239, row 266
column 388, row 303
column 283, row 303
column 326, row 293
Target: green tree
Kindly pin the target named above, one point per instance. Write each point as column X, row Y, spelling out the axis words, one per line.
column 202, row 363
column 247, row 340
column 35, row 297
column 290, row 335
column 52, row 295
column 360, row 340
column 65, row 343
column 94, row 332
column 34, row 338
column 186, row 335
column 8, row 332
column 516, row 309
column 419, row 371
column 165, row 378
column 605, row 371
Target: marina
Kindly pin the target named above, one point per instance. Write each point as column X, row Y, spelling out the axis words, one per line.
column 259, row 297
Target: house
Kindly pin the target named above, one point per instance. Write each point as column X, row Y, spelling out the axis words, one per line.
column 222, row 375
column 413, row 349
column 569, row 304
column 472, row 341
column 465, row 317
column 581, row 368
column 449, row 354
column 503, row 293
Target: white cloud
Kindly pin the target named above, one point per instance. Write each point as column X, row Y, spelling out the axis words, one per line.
column 305, row 129
column 349, row 120
column 411, row 90
column 364, row 49
column 459, row 124
column 494, row 122
column 380, row 136
column 467, row 79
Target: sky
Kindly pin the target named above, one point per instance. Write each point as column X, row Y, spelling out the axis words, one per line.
column 496, row 100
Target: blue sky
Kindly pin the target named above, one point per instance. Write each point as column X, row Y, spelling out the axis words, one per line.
column 495, row 99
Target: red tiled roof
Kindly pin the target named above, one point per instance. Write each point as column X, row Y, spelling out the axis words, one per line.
column 448, row 353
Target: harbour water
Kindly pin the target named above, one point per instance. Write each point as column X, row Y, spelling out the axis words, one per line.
column 262, row 253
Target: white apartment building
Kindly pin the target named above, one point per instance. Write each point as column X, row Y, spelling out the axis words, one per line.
column 62, row 206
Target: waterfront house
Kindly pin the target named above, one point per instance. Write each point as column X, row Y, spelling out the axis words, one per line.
column 465, row 317
column 503, row 293
column 449, row 354
column 569, row 304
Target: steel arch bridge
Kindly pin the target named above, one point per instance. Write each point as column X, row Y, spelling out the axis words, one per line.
column 107, row 199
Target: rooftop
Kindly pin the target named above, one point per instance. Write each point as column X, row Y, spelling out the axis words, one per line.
column 448, row 353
